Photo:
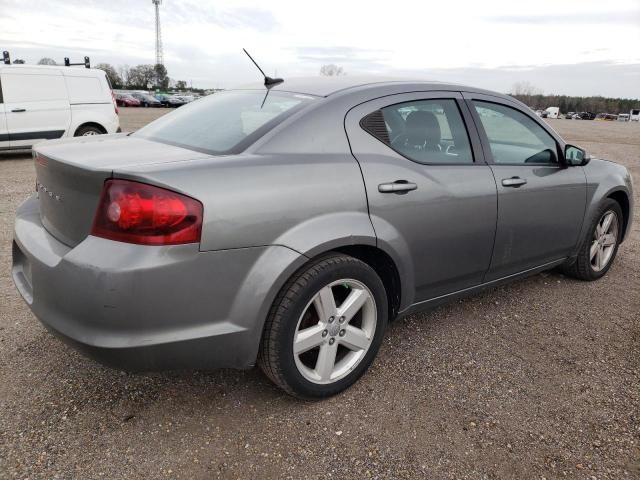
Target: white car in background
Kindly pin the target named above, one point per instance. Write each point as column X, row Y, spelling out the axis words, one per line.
column 44, row 102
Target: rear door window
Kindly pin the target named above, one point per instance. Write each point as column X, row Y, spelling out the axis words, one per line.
column 86, row 90
column 226, row 122
column 425, row 131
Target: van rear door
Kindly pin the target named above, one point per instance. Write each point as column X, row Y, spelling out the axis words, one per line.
column 36, row 105
column 4, row 133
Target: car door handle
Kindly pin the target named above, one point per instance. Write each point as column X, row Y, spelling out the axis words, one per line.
column 399, row 186
column 513, row 182
column 18, row 110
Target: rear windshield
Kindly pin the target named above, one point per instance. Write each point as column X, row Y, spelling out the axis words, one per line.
column 226, row 122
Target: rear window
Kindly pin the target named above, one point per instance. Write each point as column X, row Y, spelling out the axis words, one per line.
column 226, row 122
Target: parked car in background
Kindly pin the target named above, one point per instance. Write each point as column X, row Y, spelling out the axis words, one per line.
column 126, row 100
column 292, row 235
column 170, row 100
column 587, row 115
column 186, row 98
column 569, row 115
column 606, row 116
column 46, row 102
column 146, row 100
column 623, row 117
column 634, row 115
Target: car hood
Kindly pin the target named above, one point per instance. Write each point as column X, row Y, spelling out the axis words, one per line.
column 110, row 152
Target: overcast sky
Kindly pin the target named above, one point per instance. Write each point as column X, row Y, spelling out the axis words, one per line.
column 582, row 47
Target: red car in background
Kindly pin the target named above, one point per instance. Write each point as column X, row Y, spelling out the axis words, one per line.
column 126, row 100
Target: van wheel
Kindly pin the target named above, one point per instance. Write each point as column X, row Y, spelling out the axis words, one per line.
column 88, row 130
column 324, row 328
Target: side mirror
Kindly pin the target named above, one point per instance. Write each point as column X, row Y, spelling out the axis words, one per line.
column 575, row 156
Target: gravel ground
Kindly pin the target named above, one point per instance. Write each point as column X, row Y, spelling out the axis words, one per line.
column 539, row 379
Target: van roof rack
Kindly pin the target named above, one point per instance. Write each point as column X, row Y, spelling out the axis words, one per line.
column 6, row 58
column 86, row 62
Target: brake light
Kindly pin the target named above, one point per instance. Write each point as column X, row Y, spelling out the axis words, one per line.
column 115, row 104
column 135, row 212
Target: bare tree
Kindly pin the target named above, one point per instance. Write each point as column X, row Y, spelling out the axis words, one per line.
column 331, row 70
column 112, row 75
column 124, row 70
column 525, row 88
column 47, row 61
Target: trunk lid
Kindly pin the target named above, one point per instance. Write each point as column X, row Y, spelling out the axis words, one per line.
column 70, row 175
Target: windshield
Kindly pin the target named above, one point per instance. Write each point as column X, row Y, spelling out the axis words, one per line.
column 226, row 122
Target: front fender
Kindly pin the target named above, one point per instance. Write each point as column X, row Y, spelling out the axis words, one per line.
column 604, row 179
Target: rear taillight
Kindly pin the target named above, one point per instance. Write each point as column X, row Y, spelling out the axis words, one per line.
column 139, row 213
column 115, row 104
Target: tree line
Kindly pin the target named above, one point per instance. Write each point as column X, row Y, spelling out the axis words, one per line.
column 534, row 98
column 140, row 77
column 579, row 104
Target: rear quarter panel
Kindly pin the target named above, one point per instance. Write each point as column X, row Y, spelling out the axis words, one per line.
column 103, row 114
column 307, row 202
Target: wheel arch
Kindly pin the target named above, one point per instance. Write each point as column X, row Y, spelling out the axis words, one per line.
column 622, row 198
column 89, row 124
column 386, row 269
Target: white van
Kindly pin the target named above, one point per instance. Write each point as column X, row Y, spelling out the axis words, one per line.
column 553, row 112
column 43, row 102
column 634, row 115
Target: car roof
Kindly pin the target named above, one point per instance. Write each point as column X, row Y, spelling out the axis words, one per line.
column 323, row 86
column 52, row 69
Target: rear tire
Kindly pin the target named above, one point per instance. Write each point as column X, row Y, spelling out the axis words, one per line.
column 315, row 346
column 600, row 245
column 88, row 130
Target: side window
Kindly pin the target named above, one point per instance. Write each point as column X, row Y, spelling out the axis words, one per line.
column 425, row 131
column 33, row 88
column 514, row 137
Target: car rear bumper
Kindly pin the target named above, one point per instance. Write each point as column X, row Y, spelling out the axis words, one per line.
column 146, row 308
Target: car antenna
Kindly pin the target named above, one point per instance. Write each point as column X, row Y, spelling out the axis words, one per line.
column 268, row 81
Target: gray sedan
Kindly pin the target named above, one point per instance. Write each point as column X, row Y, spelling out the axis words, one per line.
column 286, row 226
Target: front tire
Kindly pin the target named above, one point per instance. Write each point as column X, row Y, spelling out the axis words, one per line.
column 324, row 328
column 600, row 245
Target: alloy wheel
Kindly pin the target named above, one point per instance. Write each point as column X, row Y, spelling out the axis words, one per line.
column 335, row 331
column 605, row 238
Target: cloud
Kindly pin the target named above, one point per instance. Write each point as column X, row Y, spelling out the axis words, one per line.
column 583, row 79
column 494, row 42
column 363, row 59
column 250, row 18
column 631, row 17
